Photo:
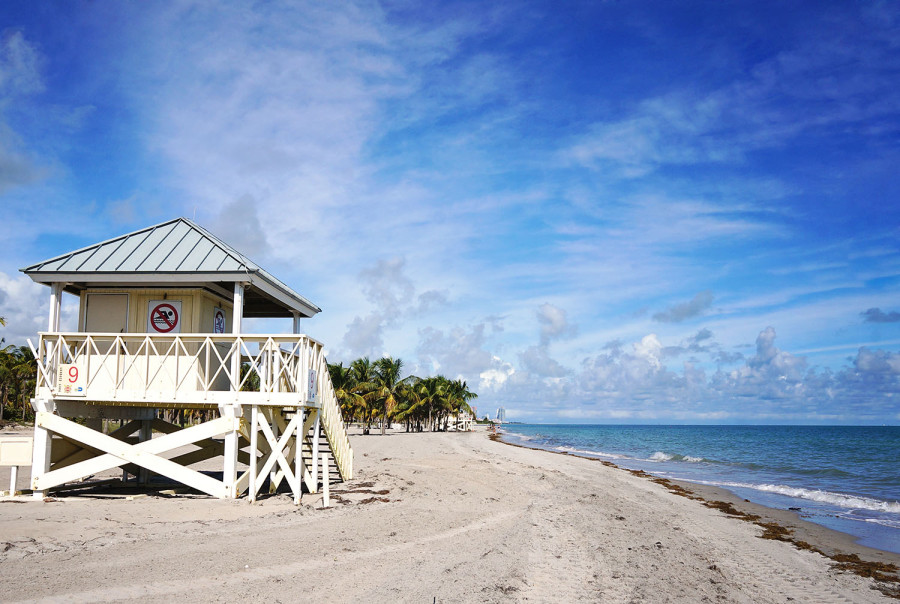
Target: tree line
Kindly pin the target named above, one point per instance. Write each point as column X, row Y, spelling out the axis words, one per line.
column 373, row 393
column 18, row 374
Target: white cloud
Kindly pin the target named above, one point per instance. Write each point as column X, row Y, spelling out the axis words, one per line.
column 19, row 77
column 554, row 323
column 19, row 66
column 496, row 376
column 848, row 84
column 239, row 224
column 457, row 352
column 537, row 361
column 25, row 305
column 619, row 384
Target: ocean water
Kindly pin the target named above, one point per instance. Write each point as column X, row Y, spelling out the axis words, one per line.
column 845, row 478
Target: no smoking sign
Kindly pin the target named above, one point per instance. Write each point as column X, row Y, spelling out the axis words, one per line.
column 164, row 316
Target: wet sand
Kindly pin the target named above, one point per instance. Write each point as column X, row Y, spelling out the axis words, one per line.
column 429, row 517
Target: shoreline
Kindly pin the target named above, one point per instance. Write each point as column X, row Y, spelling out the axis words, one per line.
column 829, row 540
column 801, row 533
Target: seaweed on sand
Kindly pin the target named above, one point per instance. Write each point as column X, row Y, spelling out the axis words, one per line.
column 886, row 576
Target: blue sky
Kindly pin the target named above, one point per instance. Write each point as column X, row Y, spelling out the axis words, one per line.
column 591, row 211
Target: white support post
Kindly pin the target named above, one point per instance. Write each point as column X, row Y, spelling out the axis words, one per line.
column 254, row 444
column 145, row 434
column 298, row 456
column 13, row 475
column 55, row 305
column 276, row 368
column 40, row 457
column 233, row 411
column 296, row 326
column 325, row 485
column 315, row 448
column 229, row 468
column 237, row 317
column 237, row 314
column 53, row 318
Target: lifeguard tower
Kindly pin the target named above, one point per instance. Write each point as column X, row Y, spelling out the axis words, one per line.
column 160, row 328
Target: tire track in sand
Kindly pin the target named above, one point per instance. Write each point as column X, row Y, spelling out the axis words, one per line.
column 215, row 584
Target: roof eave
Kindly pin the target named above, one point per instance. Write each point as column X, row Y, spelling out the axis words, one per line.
column 291, row 302
column 302, row 305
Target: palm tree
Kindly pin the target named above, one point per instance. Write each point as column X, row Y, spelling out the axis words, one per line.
column 7, row 362
column 459, row 397
column 18, row 374
column 25, row 372
column 346, row 392
column 411, row 407
column 362, row 372
column 389, row 389
column 369, row 390
column 432, row 390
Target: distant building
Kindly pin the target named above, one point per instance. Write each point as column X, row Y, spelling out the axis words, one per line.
column 501, row 414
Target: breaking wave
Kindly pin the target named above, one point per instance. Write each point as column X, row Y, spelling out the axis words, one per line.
column 590, row 452
column 662, row 456
column 842, row 500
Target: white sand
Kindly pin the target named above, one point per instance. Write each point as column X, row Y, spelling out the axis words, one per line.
column 466, row 520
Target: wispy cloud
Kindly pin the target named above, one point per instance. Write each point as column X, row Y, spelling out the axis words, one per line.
column 19, row 77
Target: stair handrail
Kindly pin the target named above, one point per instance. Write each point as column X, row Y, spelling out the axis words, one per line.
column 332, row 419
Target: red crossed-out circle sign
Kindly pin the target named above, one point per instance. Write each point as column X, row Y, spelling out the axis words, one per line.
column 163, row 318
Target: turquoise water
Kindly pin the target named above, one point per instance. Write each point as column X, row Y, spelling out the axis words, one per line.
column 845, row 478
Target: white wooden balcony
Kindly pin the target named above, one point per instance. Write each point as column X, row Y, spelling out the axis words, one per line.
column 182, row 370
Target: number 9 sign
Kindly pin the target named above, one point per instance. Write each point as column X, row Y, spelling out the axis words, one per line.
column 70, row 381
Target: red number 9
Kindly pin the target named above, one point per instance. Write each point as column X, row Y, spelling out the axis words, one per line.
column 73, row 374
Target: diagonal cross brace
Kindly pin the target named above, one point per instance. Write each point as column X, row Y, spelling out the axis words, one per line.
column 277, row 454
column 145, row 454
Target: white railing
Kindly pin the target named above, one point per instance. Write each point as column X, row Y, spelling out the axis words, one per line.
column 333, row 422
column 193, row 370
column 199, row 369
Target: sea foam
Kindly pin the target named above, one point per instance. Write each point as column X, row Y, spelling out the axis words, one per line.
column 590, row 452
column 842, row 500
column 662, row 456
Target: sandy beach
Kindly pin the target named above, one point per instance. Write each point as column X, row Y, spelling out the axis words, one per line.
column 446, row 517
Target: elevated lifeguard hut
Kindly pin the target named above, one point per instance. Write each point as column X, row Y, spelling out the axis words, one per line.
column 159, row 327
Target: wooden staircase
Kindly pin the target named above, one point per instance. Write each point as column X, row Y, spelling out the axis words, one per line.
column 334, row 473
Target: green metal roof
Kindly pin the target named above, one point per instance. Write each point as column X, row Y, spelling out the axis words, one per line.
column 177, row 253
